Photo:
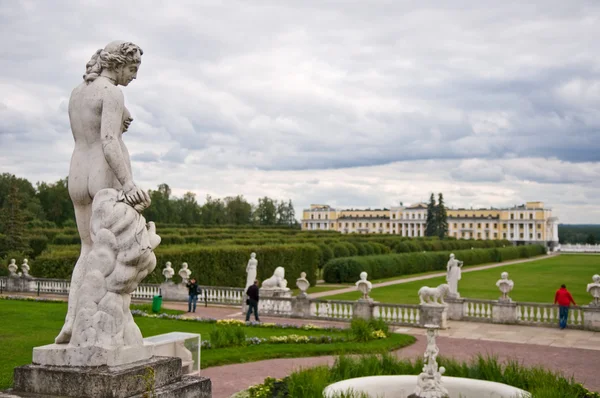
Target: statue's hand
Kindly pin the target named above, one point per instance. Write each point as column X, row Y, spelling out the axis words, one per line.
column 136, row 197
column 127, row 123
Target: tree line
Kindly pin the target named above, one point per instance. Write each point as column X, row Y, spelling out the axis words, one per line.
column 48, row 205
column 437, row 217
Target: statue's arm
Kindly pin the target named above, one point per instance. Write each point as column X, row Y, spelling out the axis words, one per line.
column 112, row 114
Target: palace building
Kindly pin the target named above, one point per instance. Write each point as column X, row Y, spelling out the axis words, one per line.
column 524, row 224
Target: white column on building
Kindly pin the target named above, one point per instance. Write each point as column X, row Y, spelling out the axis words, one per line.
column 421, row 229
column 527, row 231
column 403, row 229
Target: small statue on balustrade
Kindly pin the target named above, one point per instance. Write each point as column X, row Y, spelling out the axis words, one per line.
column 25, row 269
column 364, row 286
column 12, row 269
column 505, row 285
column 184, row 273
column 594, row 289
column 168, row 272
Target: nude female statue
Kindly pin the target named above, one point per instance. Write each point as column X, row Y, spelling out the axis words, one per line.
column 100, row 159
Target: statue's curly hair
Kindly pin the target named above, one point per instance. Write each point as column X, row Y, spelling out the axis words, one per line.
column 112, row 56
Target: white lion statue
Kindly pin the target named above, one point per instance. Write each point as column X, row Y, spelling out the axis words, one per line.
column 431, row 295
column 277, row 281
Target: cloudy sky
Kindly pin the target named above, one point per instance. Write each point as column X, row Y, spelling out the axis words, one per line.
column 349, row 103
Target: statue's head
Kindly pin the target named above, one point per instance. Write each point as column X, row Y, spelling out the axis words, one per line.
column 184, row 265
column 504, row 275
column 596, row 278
column 280, row 272
column 451, row 255
column 168, row 264
column 124, row 58
column 13, row 261
column 252, row 255
column 363, row 276
column 25, row 261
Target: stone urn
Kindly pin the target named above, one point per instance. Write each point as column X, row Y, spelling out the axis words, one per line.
column 303, row 284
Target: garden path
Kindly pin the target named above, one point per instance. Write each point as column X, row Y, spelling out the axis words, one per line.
column 581, row 363
column 428, row 276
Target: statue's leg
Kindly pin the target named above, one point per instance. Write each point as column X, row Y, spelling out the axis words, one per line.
column 83, row 215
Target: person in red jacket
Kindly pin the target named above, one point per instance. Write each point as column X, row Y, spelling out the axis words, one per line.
column 563, row 298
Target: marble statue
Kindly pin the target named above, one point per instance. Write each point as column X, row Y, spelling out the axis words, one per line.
column 364, row 286
column 431, row 295
column 303, row 284
column 277, row 281
column 12, row 269
column 251, row 270
column 429, row 382
column 100, row 160
column 121, row 256
column 168, row 271
column 594, row 289
column 25, row 269
column 453, row 276
column 505, row 285
column 184, row 273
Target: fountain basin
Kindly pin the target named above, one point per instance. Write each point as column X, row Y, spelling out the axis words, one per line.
column 403, row 386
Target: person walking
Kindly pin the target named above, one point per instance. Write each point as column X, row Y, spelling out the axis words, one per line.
column 563, row 298
column 252, row 301
column 193, row 291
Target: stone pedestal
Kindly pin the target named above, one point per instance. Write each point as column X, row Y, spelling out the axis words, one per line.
column 301, row 307
column 455, row 309
column 157, row 377
column 274, row 292
column 67, row 355
column 174, row 292
column 504, row 312
column 434, row 315
column 591, row 318
column 363, row 309
column 17, row 285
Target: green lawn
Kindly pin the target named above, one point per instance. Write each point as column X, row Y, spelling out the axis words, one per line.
column 535, row 281
column 29, row 324
column 316, row 289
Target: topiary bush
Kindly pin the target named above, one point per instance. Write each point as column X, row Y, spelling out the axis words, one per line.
column 348, row 269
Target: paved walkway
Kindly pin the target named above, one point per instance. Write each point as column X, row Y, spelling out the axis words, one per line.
column 583, row 364
column 429, row 276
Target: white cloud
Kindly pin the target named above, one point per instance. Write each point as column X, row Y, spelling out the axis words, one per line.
column 352, row 104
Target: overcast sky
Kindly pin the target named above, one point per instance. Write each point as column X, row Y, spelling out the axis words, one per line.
column 347, row 103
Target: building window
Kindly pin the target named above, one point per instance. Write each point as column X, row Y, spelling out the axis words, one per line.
column 495, row 235
column 539, row 236
column 346, row 225
column 521, row 235
column 388, row 225
column 413, row 216
column 394, row 215
column 374, row 224
column 462, row 225
column 530, row 236
column 326, row 216
column 512, row 236
column 319, row 216
column 478, row 235
column 454, row 225
column 530, row 216
column 479, row 225
column 359, row 224
column 495, row 226
column 512, row 216
column 318, row 225
column 504, row 235
column 306, row 225
column 312, row 216
column 521, row 216
column 470, row 225
column 353, row 225
column 487, row 225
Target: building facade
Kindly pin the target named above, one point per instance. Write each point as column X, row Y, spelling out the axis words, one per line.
column 524, row 224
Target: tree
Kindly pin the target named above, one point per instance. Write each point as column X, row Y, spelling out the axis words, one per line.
column 441, row 218
column 266, row 211
column 187, row 209
column 237, row 211
column 431, row 223
column 213, row 212
column 161, row 209
column 27, row 196
column 56, row 202
column 12, row 223
column 591, row 239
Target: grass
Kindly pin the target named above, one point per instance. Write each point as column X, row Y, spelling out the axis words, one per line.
column 316, row 289
column 309, row 383
column 30, row 324
column 535, row 281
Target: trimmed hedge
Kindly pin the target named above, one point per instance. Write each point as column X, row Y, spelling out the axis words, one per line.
column 348, row 269
column 210, row 265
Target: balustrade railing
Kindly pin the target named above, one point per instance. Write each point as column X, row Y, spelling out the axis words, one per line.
column 3, row 282
column 397, row 314
column 146, row 291
column 47, row 285
column 477, row 310
column 331, row 309
column 537, row 314
column 275, row 306
column 223, row 295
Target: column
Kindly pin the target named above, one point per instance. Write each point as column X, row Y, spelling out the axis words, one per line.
column 403, row 229
column 422, row 232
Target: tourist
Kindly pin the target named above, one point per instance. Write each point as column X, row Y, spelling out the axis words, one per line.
column 193, row 290
column 563, row 298
column 252, row 301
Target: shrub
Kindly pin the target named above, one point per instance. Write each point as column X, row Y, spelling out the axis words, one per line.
column 340, row 250
column 211, row 265
column 227, row 336
column 38, row 244
column 348, row 269
column 360, row 330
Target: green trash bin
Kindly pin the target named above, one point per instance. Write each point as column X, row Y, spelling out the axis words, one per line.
column 156, row 303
